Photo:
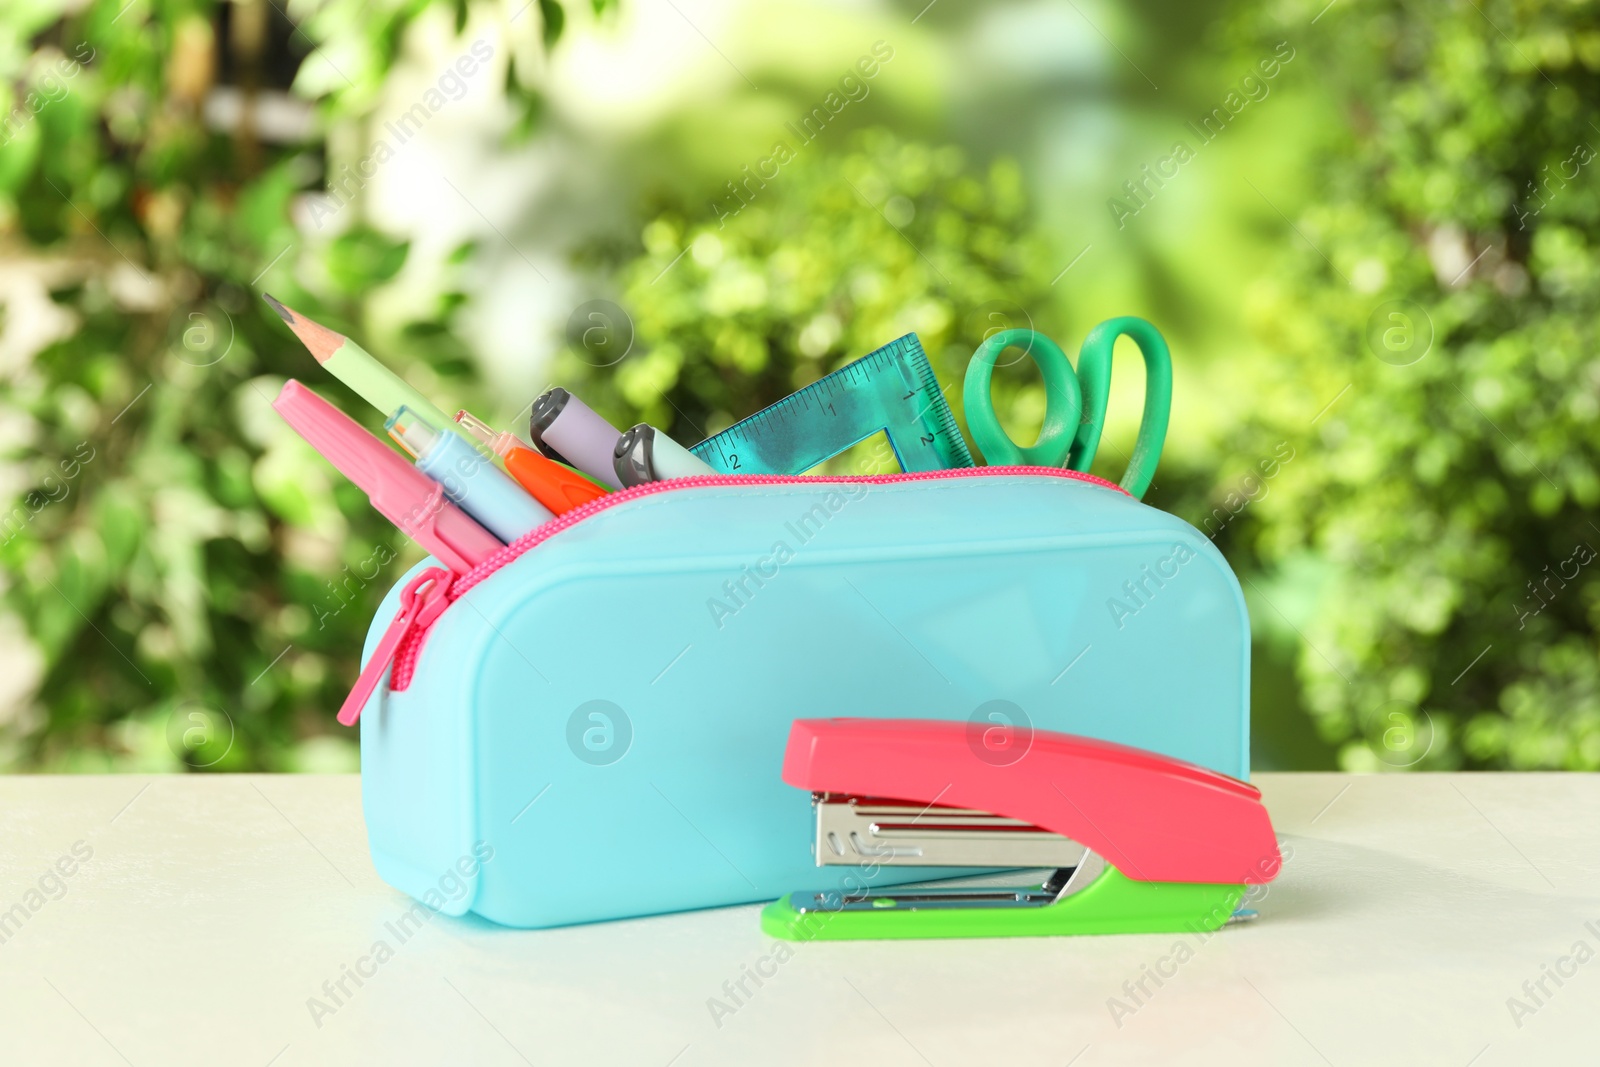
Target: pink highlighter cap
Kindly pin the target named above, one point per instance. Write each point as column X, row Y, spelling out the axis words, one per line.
column 406, row 497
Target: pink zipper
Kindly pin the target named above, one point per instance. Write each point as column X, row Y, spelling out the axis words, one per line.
column 403, row 640
column 418, row 610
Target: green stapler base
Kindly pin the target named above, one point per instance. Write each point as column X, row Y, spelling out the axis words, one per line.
column 1112, row 904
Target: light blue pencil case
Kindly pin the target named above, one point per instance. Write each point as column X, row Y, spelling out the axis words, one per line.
column 592, row 726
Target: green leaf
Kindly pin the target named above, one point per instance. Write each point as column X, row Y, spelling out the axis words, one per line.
column 555, row 19
column 363, row 258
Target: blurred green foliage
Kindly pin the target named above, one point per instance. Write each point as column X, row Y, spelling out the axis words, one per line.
column 1435, row 549
column 835, row 256
column 196, row 583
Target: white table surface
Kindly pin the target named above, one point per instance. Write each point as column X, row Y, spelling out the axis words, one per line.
column 212, row 908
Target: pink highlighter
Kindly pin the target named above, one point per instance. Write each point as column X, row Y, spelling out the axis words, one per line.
column 406, row 497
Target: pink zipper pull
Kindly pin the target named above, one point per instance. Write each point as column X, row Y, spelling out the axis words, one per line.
column 417, row 608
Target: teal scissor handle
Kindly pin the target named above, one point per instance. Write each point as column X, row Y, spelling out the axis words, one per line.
column 1063, row 402
column 1094, row 377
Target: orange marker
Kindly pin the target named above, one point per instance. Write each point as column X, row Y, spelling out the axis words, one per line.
column 557, row 487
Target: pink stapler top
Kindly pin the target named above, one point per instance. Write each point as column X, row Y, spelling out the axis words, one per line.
column 1154, row 818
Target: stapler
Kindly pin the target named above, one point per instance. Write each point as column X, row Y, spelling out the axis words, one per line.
column 1138, row 842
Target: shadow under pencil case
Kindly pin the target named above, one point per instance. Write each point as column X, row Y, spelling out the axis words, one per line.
column 605, row 704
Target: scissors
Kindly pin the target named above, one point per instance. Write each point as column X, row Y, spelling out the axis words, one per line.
column 1075, row 401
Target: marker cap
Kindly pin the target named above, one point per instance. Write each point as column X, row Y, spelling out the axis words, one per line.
column 566, row 429
column 645, row 454
column 632, row 456
column 545, row 411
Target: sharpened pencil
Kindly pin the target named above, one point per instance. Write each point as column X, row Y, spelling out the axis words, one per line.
column 359, row 369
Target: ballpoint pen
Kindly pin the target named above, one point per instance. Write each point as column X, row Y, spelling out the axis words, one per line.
column 555, row 485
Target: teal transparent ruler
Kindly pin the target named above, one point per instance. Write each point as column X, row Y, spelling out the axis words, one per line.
column 892, row 390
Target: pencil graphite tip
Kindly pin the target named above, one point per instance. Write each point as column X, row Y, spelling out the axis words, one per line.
column 283, row 313
column 318, row 339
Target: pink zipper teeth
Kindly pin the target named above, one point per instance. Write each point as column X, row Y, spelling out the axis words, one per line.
column 410, row 646
column 568, row 519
